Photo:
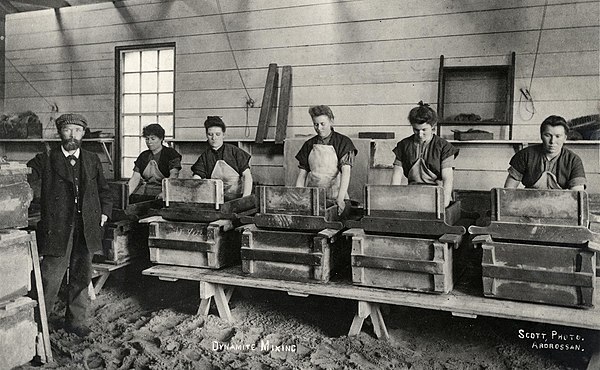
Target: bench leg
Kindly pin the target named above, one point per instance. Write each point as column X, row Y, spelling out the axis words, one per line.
column 221, row 296
column 372, row 310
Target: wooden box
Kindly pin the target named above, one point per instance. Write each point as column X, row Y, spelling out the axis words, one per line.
column 201, row 191
column 541, row 216
column 15, row 195
column 120, row 193
column 210, row 245
column 414, row 209
column 193, row 212
column 18, row 331
column 124, row 240
column 556, row 275
column 16, row 265
column 289, row 255
column 403, row 263
column 295, row 208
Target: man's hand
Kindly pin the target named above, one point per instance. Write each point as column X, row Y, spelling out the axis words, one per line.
column 103, row 220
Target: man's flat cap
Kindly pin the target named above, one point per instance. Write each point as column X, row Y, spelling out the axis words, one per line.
column 70, row 118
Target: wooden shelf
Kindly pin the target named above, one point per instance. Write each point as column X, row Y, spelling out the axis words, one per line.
column 483, row 90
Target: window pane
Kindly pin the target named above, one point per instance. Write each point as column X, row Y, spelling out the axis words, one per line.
column 146, row 120
column 132, row 61
column 131, row 125
column 149, row 104
column 127, row 170
column 131, row 83
column 167, row 57
column 131, row 146
column 149, row 82
column 165, row 102
column 167, row 123
column 131, row 103
column 149, row 60
column 143, row 145
column 165, row 82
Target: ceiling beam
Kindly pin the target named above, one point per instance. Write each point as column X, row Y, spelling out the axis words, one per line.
column 45, row 3
column 7, row 7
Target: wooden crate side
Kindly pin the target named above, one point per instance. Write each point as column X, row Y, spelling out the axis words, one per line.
column 540, row 257
column 120, row 193
column 16, row 274
column 402, row 263
column 18, row 331
column 298, row 256
column 562, row 276
column 398, row 247
column 206, row 191
column 184, row 231
column 414, row 198
column 545, row 207
column 282, row 241
column 292, row 200
column 281, row 270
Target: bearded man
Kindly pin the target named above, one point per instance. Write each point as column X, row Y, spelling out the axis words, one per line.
column 75, row 204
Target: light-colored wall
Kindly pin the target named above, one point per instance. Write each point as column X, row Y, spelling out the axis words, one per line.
column 370, row 60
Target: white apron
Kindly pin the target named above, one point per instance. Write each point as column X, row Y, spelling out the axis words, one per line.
column 233, row 186
column 152, row 184
column 324, row 172
column 547, row 181
column 419, row 173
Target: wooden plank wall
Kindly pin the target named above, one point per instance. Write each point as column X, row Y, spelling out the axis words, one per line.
column 371, row 61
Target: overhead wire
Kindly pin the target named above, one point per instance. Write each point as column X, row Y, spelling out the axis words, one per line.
column 52, row 106
column 527, row 91
column 249, row 100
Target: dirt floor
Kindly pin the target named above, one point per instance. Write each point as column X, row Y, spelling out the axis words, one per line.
column 140, row 322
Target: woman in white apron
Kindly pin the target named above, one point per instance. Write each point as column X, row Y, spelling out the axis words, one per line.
column 326, row 159
column 224, row 161
column 424, row 158
column 547, row 165
column 153, row 165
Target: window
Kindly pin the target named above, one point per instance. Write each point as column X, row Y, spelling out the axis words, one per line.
column 146, row 95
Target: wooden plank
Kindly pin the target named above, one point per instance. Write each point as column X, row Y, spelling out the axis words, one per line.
column 459, row 301
column 535, row 232
column 206, row 191
column 292, row 200
column 538, row 276
column 297, row 222
column 42, row 315
column 285, row 98
column 285, row 257
column 420, row 227
column 269, row 102
column 429, row 267
column 546, row 207
column 415, row 198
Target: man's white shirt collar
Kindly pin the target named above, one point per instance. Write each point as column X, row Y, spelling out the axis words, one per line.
column 76, row 154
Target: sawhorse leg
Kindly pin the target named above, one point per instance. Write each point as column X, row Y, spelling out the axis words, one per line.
column 94, row 289
column 368, row 309
column 222, row 295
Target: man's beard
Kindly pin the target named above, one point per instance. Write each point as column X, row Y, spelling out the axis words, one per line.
column 71, row 144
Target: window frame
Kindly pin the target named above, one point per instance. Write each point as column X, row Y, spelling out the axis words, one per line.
column 119, row 136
